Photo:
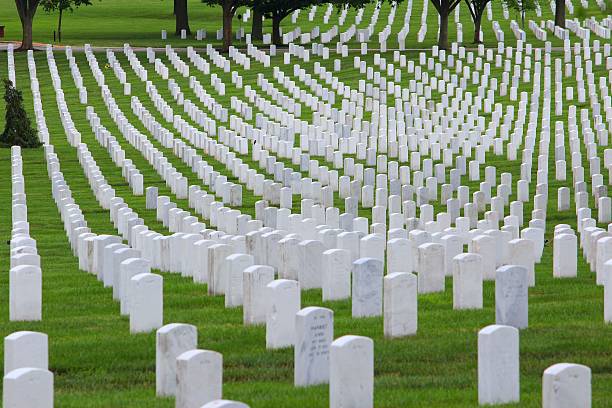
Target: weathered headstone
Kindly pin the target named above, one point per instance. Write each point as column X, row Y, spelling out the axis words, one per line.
column 171, row 341
column 336, row 274
column 314, row 333
column 511, row 296
column 367, row 287
column 566, row 385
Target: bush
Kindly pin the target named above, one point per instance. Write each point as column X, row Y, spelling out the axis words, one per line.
column 18, row 130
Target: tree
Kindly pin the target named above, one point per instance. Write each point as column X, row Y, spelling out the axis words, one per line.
column 229, row 10
column 257, row 27
column 522, row 7
column 26, row 10
column 18, row 130
column 444, row 8
column 277, row 10
column 477, row 8
column 560, row 13
column 61, row 5
column 181, row 17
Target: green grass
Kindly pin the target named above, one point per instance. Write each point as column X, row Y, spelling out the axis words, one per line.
column 111, row 23
column 97, row 363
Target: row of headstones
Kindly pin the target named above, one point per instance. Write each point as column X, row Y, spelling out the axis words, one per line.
column 43, row 131
column 139, row 292
column 11, row 64
column 25, row 276
column 28, row 383
column 200, row 34
column 194, row 376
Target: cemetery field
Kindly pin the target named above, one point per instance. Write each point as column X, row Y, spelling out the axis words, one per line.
column 139, row 23
column 97, row 362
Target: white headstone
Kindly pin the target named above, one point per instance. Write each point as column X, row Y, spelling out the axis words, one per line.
column 314, row 331
column 400, row 304
column 565, row 252
column 199, row 378
column 566, row 385
column 283, row 303
column 171, row 341
column 26, row 349
column 467, row 281
column 25, row 293
column 146, row 303
column 28, row 387
column 336, row 274
column 511, row 296
column 431, row 268
column 498, row 365
column 254, row 284
column 367, row 287
column 351, row 372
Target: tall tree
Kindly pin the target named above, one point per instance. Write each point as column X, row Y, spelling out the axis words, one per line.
column 560, row 13
column 257, row 27
column 18, row 129
column 229, row 10
column 61, row 6
column 181, row 17
column 26, row 10
column 477, row 8
column 522, row 7
column 444, row 8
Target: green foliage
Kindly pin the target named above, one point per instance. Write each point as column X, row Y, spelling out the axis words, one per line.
column 56, row 5
column 18, row 130
column 521, row 6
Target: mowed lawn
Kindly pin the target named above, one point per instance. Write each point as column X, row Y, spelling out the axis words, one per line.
column 139, row 22
column 97, row 363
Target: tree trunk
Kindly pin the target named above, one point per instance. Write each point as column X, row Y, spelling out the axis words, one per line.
column 257, row 28
column 182, row 18
column 227, row 27
column 26, row 10
column 276, row 34
column 443, row 36
column 26, row 42
column 174, row 7
column 477, row 21
column 560, row 13
column 59, row 25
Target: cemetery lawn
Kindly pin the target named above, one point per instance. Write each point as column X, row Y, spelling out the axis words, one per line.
column 139, row 23
column 97, row 363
